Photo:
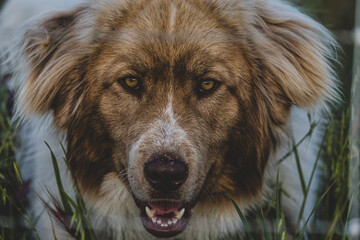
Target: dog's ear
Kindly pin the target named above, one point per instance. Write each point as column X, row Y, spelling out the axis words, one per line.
column 51, row 60
column 294, row 52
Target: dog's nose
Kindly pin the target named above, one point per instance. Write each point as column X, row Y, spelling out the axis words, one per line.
column 166, row 172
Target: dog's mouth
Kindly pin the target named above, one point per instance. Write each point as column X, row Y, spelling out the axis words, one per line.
column 164, row 218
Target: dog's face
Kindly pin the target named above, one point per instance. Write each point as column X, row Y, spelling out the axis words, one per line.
column 172, row 99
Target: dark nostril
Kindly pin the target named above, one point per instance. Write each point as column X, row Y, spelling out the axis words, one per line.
column 165, row 172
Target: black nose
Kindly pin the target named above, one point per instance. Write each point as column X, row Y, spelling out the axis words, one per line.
column 166, row 172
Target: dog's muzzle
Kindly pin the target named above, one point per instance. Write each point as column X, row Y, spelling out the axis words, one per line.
column 165, row 218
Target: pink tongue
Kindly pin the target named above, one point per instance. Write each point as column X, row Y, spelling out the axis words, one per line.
column 163, row 208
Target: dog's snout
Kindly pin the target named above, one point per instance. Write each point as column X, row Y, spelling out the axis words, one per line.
column 166, row 172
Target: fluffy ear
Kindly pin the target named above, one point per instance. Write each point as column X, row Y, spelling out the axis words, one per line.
column 295, row 52
column 51, row 63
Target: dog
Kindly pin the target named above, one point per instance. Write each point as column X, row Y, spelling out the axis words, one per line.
column 163, row 105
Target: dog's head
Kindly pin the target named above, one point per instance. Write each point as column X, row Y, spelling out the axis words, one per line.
column 173, row 99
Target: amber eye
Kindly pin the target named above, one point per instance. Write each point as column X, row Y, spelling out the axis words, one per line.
column 207, row 85
column 131, row 82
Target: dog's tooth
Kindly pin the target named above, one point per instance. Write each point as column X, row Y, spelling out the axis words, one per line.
column 166, row 225
column 180, row 214
column 162, row 225
column 149, row 212
column 174, row 220
column 153, row 220
column 169, row 222
column 158, row 221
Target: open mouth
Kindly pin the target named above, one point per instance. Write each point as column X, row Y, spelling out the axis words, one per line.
column 164, row 218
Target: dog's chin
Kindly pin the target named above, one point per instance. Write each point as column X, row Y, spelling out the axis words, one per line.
column 164, row 218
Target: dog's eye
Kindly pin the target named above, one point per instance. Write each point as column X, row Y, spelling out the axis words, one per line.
column 130, row 83
column 207, row 85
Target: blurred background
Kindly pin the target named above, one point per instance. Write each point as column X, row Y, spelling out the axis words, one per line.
column 332, row 214
column 340, row 163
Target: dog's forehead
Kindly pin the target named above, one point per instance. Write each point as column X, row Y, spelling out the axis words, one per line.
column 167, row 24
column 163, row 34
column 167, row 15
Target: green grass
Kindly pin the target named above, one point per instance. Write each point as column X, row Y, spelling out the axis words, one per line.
column 12, row 207
column 70, row 214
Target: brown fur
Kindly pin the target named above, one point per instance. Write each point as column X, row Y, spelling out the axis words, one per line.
column 265, row 62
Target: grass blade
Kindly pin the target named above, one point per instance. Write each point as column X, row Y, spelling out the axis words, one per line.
column 243, row 220
column 81, row 211
column 310, row 180
column 299, row 168
column 345, row 233
column 266, row 230
column 277, row 199
column 301, row 235
column 17, row 171
column 62, row 193
column 24, row 215
column 308, row 134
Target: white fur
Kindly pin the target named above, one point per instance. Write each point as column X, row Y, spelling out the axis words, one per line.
column 172, row 16
column 164, row 135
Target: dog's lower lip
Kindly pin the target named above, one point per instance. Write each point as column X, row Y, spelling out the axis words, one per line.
column 164, row 226
column 164, row 219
